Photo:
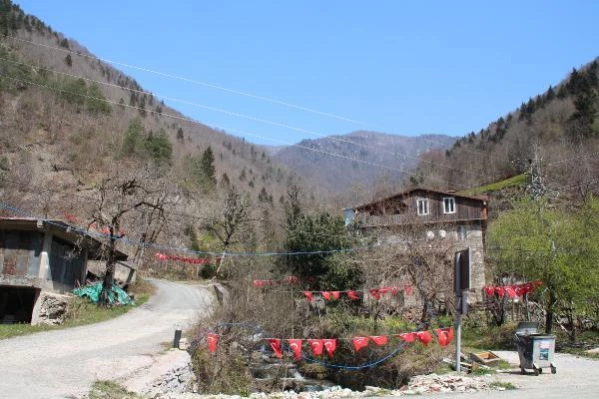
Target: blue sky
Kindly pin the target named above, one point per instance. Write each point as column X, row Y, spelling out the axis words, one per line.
column 401, row 67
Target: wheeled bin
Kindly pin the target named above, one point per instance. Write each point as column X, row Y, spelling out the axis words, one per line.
column 535, row 350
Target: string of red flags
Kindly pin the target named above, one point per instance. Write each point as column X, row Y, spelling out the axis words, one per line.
column 195, row 261
column 289, row 280
column 318, row 346
column 512, row 291
column 93, row 226
column 354, row 295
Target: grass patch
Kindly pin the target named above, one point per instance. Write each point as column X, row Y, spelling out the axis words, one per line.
column 110, row 390
column 82, row 312
column 480, row 338
column 504, row 365
column 506, row 385
column 513, row 181
column 483, row 371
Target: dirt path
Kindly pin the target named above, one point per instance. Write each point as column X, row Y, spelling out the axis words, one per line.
column 55, row 364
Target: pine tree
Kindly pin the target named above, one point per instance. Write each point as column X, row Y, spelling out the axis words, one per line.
column 208, row 166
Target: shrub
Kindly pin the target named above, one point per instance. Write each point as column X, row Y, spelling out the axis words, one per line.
column 208, row 271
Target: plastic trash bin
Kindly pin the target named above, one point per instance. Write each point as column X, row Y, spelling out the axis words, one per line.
column 535, row 350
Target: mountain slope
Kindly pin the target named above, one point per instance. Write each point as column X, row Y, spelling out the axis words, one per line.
column 556, row 132
column 359, row 158
column 67, row 119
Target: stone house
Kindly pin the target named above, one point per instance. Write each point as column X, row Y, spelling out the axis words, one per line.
column 435, row 218
column 38, row 259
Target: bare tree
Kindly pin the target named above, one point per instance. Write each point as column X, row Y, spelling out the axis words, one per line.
column 229, row 217
column 121, row 201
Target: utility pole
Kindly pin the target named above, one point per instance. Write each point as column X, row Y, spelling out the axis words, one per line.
column 461, row 286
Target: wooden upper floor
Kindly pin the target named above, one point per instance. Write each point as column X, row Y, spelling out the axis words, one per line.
column 419, row 205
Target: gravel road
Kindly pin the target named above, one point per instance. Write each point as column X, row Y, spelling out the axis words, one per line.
column 576, row 377
column 58, row 363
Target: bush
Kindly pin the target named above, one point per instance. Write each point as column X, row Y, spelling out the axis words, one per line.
column 208, row 271
column 221, row 372
column 159, row 148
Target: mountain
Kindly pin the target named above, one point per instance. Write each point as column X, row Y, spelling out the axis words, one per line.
column 358, row 159
column 556, row 133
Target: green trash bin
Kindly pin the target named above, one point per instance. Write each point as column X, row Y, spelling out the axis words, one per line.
column 535, row 350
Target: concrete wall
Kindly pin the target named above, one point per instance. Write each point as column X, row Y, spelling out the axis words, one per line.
column 20, row 252
column 48, row 262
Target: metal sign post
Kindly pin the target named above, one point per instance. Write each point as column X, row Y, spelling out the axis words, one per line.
column 461, row 287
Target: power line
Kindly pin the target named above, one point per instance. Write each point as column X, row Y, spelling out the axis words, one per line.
column 223, row 128
column 172, row 76
column 240, row 115
column 125, row 240
column 200, row 83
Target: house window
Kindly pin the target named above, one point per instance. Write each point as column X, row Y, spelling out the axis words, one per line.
column 422, row 205
column 448, row 205
column 462, row 233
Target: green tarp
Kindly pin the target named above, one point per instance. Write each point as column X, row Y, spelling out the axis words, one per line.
column 115, row 296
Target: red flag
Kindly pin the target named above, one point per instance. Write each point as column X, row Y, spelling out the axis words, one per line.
column 296, row 347
column 326, row 295
column 444, row 335
column 317, row 345
column 375, row 293
column 519, row 290
column 212, row 342
column 384, row 290
column 500, row 291
column 353, row 295
column 394, row 290
column 360, row 342
column 292, row 280
column 308, row 295
column 513, row 291
column 490, row 291
column 259, row 283
column 330, row 345
column 408, row 337
column 408, row 289
column 275, row 344
column 336, row 294
column 379, row 339
column 425, row 337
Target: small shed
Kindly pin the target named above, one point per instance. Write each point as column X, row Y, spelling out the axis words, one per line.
column 38, row 256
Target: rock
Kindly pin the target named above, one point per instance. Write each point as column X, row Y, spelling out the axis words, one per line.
column 52, row 309
column 171, row 373
column 183, row 344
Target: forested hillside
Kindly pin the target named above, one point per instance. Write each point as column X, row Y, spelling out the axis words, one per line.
column 74, row 128
column 558, row 128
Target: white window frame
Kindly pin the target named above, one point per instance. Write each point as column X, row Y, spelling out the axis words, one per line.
column 452, row 199
column 425, row 202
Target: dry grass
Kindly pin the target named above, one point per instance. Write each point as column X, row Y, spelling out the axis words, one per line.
column 110, row 390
